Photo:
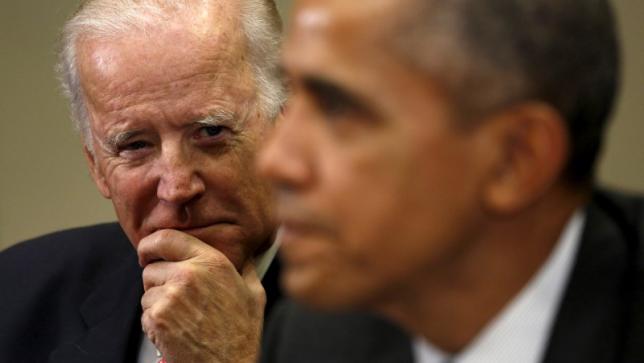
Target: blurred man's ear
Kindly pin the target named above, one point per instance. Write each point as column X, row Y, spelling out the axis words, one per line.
column 97, row 175
column 532, row 142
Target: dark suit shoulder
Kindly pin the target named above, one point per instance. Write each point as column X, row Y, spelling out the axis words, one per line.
column 78, row 250
column 45, row 281
column 77, row 239
column 298, row 334
column 628, row 205
column 626, row 210
column 600, row 312
column 61, row 267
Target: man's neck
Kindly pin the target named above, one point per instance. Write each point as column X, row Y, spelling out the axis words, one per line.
column 451, row 307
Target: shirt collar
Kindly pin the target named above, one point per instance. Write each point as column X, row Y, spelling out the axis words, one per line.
column 264, row 261
column 520, row 332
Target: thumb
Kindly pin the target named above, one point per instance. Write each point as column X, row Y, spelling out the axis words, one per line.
column 249, row 274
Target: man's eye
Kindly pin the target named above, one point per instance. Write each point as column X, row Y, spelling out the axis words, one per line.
column 211, row 134
column 134, row 149
column 210, row 131
column 135, row 145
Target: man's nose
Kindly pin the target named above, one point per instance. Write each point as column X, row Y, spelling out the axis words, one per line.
column 285, row 158
column 180, row 180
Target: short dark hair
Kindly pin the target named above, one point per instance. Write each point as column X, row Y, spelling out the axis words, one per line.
column 489, row 54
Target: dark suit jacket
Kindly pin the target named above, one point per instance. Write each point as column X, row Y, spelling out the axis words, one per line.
column 600, row 319
column 74, row 296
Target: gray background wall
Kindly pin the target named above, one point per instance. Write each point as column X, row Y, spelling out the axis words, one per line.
column 44, row 184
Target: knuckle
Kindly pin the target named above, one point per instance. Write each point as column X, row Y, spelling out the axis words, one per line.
column 217, row 263
column 155, row 318
column 162, row 235
column 187, row 274
column 173, row 295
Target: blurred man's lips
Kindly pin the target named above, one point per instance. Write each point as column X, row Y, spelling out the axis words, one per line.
column 296, row 226
column 292, row 230
column 303, row 243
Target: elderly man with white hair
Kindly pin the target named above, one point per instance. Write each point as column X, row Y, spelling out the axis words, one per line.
column 171, row 99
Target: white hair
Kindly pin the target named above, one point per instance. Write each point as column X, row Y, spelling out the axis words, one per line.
column 260, row 22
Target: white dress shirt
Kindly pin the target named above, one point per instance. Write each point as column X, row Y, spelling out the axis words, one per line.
column 147, row 351
column 520, row 332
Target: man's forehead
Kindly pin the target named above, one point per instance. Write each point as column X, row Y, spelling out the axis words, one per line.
column 322, row 29
column 369, row 16
column 332, row 37
column 168, row 56
column 157, row 43
column 214, row 27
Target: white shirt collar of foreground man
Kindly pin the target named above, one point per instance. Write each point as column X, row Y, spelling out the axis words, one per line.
column 147, row 351
column 520, row 333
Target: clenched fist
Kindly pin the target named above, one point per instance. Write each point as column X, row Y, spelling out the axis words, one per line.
column 197, row 307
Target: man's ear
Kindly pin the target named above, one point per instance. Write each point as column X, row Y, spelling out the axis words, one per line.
column 532, row 141
column 282, row 114
column 95, row 172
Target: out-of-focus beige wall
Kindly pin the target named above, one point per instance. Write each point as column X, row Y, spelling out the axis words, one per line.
column 623, row 161
column 44, row 183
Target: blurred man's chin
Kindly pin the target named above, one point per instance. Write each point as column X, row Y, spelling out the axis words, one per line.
column 319, row 290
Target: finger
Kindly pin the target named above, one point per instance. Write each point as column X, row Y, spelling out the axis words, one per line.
column 153, row 296
column 150, row 324
column 157, row 273
column 249, row 274
column 168, row 245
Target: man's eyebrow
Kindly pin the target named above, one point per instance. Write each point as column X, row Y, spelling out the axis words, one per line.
column 218, row 117
column 321, row 85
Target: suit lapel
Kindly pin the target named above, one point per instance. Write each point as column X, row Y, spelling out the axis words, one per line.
column 111, row 313
column 272, row 286
column 112, row 316
column 590, row 318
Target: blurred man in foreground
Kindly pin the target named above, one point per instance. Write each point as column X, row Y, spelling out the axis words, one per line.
column 172, row 99
column 436, row 167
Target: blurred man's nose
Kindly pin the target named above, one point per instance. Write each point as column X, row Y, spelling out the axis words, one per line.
column 180, row 180
column 285, row 158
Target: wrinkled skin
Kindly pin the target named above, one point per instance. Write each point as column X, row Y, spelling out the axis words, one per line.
column 175, row 128
column 179, row 318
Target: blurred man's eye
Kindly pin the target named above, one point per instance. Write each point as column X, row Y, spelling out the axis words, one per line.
column 332, row 101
